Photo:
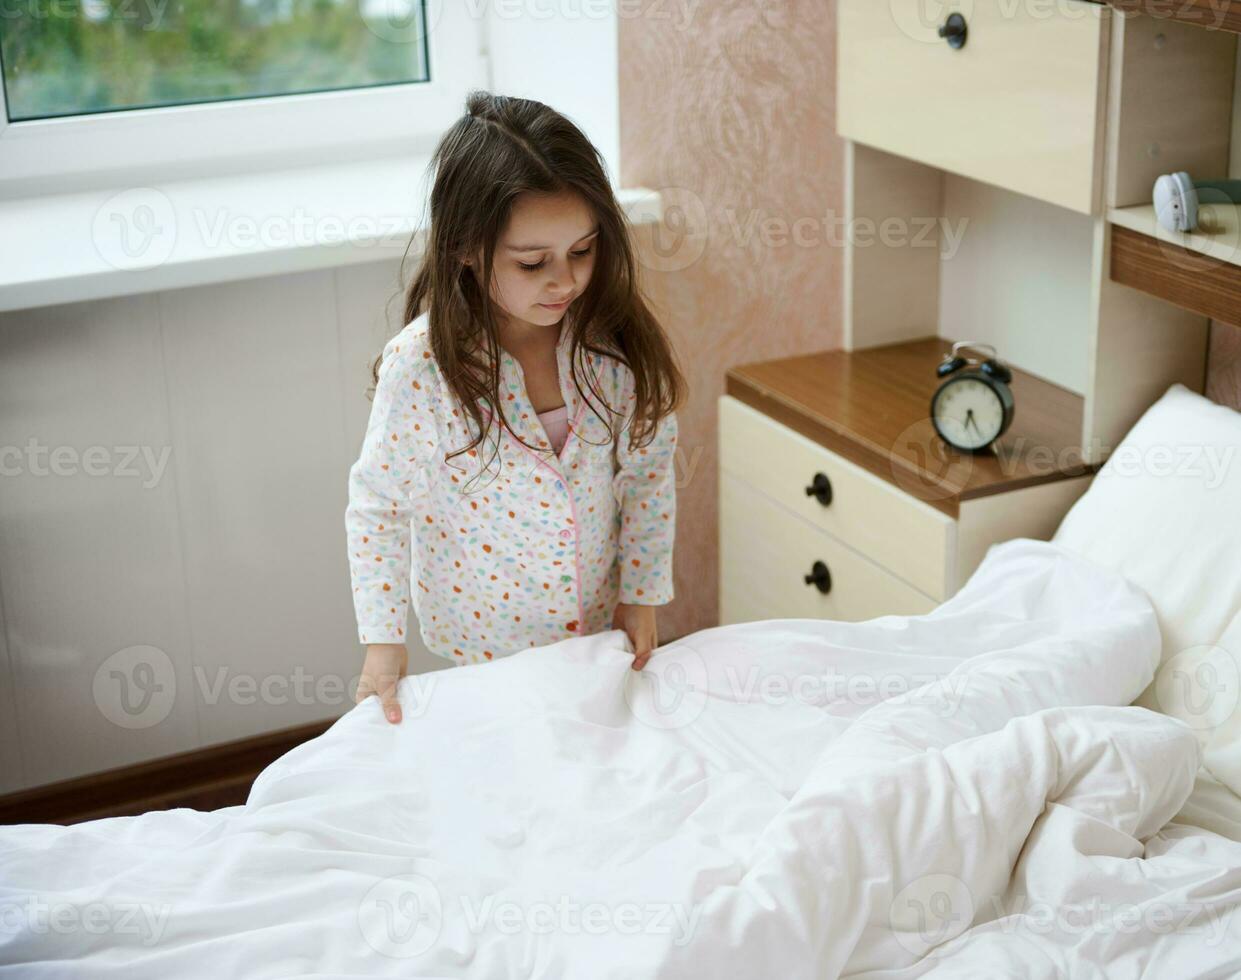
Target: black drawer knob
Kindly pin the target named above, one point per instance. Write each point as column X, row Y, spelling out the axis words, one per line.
column 820, row 577
column 820, row 488
column 954, row 30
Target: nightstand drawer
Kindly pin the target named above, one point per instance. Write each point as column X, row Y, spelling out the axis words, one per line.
column 1018, row 105
column 766, row 554
column 909, row 538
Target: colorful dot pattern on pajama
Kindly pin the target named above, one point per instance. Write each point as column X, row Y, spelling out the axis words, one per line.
column 501, row 551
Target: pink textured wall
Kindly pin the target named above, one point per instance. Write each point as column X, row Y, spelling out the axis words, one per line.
column 727, row 106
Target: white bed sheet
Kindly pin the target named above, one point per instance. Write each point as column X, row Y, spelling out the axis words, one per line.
column 902, row 798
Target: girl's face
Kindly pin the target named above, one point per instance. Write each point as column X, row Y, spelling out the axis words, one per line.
column 544, row 257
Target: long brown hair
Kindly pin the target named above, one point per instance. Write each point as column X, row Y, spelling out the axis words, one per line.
column 500, row 148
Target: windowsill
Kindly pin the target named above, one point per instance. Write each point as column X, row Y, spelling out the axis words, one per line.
column 93, row 245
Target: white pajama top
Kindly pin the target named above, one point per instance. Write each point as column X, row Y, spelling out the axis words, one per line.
column 521, row 550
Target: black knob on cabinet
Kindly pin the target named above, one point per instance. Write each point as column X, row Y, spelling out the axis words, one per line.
column 820, row 488
column 954, row 30
column 820, row 577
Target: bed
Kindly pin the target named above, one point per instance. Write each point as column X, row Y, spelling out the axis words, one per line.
column 969, row 793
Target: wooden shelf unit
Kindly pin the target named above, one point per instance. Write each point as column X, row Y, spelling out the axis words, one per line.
column 1012, row 178
column 1038, row 265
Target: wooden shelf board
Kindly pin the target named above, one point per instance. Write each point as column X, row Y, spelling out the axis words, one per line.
column 1208, row 14
column 1198, row 271
column 872, row 407
column 1219, row 236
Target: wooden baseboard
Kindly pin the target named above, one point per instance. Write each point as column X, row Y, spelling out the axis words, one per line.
column 203, row 779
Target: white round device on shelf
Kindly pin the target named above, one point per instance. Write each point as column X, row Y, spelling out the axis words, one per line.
column 1176, row 202
column 1177, row 198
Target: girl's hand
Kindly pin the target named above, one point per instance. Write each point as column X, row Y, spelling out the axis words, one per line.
column 639, row 623
column 385, row 665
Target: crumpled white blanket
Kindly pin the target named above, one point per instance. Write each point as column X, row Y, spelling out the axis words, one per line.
column 959, row 794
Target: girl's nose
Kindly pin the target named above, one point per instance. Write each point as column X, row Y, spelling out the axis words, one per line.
column 562, row 274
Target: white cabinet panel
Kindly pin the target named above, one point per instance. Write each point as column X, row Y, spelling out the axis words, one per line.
column 90, row 561
column 254, row 389
column 370, row 304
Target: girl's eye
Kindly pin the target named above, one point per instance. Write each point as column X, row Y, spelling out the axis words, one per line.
column 536, row 266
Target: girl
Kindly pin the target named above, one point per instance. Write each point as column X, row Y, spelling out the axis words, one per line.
column 522, row 434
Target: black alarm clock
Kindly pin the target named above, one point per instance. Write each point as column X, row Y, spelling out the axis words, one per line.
column 973, row 406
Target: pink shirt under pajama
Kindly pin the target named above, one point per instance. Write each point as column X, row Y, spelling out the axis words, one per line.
column 507, row 553
column 555, row 422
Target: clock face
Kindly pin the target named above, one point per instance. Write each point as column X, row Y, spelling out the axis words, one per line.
column 968, row 413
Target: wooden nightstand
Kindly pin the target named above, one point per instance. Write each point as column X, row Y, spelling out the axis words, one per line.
column 828, row 463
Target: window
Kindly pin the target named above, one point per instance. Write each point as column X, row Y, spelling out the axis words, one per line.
column 88, row 56
column 95, row 93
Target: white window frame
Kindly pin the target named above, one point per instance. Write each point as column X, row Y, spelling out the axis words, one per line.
column 49, row 156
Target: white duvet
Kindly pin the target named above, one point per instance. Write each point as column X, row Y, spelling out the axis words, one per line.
column 959, row 794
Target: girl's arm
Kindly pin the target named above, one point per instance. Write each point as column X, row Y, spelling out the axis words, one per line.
column 645, row 486
column 383, row 485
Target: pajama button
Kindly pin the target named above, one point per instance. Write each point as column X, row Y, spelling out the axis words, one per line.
column 566, row 534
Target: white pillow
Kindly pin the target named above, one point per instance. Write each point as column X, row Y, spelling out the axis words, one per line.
column 1165, row 511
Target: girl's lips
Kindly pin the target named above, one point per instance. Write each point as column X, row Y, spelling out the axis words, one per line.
column 556, row 306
